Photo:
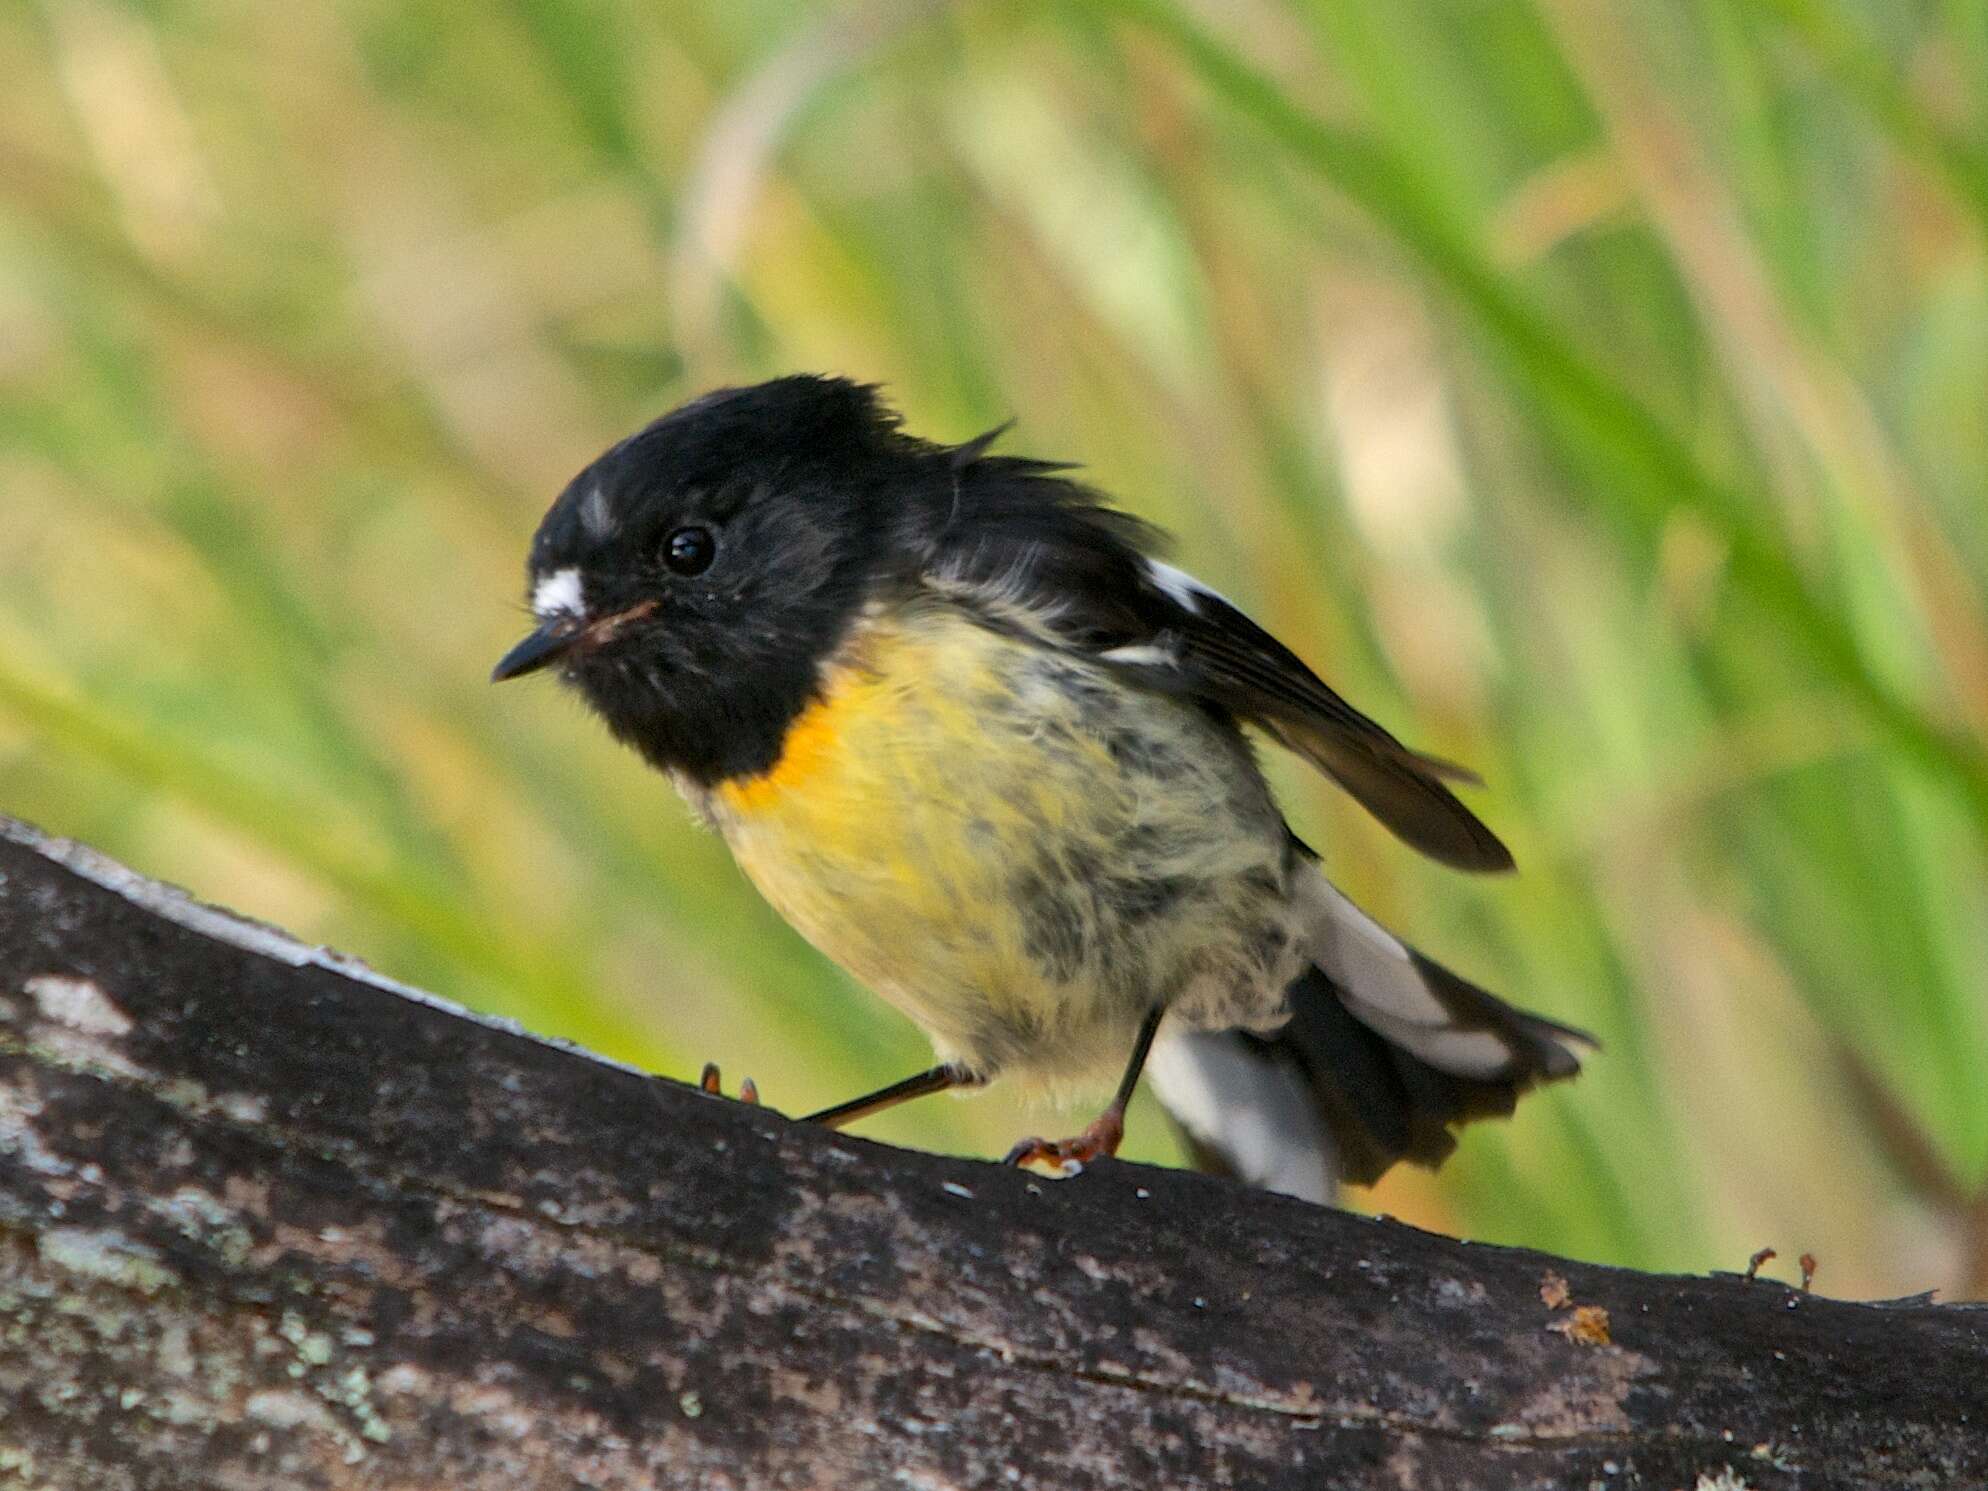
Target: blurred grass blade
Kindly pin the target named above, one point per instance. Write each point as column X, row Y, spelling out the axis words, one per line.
column 1857, row 61
column 1365, row 171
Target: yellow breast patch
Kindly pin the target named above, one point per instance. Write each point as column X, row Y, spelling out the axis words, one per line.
column 1006, row 845
column 809, row 741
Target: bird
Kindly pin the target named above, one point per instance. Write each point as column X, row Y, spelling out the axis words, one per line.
column 966, row 729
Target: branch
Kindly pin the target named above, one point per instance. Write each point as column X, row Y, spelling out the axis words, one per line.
column 270, row 1220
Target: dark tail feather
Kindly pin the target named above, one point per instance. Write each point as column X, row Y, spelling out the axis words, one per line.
column 1382, row 1103
column 1333, row 1095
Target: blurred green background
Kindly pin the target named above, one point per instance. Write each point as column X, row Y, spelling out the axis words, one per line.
column 1596, row 390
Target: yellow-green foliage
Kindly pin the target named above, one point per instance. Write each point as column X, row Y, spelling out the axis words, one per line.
column 1597, row 390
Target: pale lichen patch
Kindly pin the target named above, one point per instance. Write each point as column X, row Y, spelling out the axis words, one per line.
column 21, row 1140
column 337, row 1385
column 243, row 1107
column 404, row 1379
column 78, row 1003
column 1461, row 1294
column 106, row 1256
column 1592, row 1400
column 175, row 1351
column 201, row 1217
column 313, row 1348
column 287, row 1408
column 1090, row 1268
column 497, row 1409
column 354, row 1391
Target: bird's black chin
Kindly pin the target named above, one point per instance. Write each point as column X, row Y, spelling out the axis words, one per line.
column 709, row 724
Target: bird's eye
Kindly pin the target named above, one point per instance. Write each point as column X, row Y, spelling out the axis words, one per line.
column 689, row 551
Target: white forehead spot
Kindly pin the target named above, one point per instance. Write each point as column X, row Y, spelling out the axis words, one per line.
column 558, row 594
column 595, row 516
column 1183, row 588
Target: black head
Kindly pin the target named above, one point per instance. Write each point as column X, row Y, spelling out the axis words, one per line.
column 691, row 580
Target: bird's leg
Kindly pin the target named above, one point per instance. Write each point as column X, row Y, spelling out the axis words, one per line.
column 938, row 1079
column 710, row 1082
column 1108, row 1129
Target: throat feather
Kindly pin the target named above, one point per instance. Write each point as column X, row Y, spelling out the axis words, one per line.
column 804, row 750
column 847, row 688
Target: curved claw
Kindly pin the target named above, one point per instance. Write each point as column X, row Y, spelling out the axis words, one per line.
column 1069, row 1156
column 1037, row 1152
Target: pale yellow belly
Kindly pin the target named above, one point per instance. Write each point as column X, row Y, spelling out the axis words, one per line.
column 1017, row 852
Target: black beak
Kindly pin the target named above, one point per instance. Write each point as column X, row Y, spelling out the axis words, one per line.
column 548, row 644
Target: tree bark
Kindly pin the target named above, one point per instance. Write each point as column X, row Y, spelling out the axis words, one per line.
column 270, row 1220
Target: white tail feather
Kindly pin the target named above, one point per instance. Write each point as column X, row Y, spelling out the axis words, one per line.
column 1257, row 1114
column 1385, row 987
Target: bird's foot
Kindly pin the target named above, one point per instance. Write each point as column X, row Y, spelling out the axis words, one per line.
column 1068, row 1157
column 712, row 1083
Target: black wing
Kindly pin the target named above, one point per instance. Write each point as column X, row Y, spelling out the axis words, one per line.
column 1036, row 540
column 1210, row 649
